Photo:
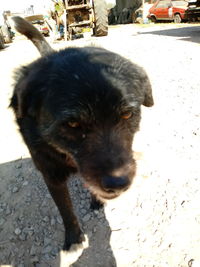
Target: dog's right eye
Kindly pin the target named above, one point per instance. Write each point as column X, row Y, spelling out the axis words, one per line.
column 73, row 124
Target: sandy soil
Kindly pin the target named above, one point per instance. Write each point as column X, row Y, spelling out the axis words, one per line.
column 157, row 222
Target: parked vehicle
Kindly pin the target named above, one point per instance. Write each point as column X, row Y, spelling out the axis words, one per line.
column 39, row 23
column 193, row 11
column 86, row 13
column 168, row 10
column 6, row 34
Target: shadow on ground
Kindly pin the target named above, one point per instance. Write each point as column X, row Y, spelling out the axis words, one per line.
column 6, row 46
column 31, row 229
column 190, row 33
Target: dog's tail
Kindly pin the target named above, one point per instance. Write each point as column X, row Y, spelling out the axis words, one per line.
column 27, row 29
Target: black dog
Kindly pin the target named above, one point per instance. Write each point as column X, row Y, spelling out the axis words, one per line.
column 78, row 110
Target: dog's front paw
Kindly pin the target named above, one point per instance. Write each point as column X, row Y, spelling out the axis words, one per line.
column 71, row 255
column 73, row 238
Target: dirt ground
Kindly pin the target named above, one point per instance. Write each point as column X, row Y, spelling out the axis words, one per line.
column 157, row 222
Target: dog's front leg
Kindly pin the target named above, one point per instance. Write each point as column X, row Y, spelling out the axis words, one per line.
column 73, row 233
column 96, row 204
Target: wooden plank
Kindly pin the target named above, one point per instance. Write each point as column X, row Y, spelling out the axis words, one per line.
column 78, row 7
column 82, row 23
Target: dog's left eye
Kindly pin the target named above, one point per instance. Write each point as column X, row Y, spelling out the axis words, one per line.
column 126, row 115
column 73, row 124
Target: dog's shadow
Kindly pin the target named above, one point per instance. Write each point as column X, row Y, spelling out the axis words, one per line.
column 31, row 229
column 95, row 226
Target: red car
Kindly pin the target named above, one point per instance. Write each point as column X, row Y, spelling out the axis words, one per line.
column 168, row 10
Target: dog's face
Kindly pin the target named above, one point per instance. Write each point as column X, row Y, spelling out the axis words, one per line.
column 90, row 112
column 97, row 130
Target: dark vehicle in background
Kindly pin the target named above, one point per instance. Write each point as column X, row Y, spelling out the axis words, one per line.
column 193, row 11
column 168, row 10
column 39, row 22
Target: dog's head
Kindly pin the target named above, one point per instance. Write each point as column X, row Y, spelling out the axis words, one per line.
column 88, row 106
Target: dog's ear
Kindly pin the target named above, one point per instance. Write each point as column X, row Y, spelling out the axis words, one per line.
column 142, row 85
column 148, row 97
column 17, row 100
column 24, row 101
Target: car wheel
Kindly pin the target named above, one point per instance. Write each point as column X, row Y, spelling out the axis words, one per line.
column 153, row 19
column 100, row 17
column 177, row 18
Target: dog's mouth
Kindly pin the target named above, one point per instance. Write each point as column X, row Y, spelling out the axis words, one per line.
column 109, row 196
column 104, row 194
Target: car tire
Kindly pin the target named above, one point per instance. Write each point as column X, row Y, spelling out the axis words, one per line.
column 177, row 18
column 100, row 18
column 153, row 19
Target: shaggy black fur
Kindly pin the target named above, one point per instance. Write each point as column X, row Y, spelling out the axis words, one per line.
column 78, row 110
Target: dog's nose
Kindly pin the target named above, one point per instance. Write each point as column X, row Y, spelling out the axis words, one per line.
column 112, row 183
